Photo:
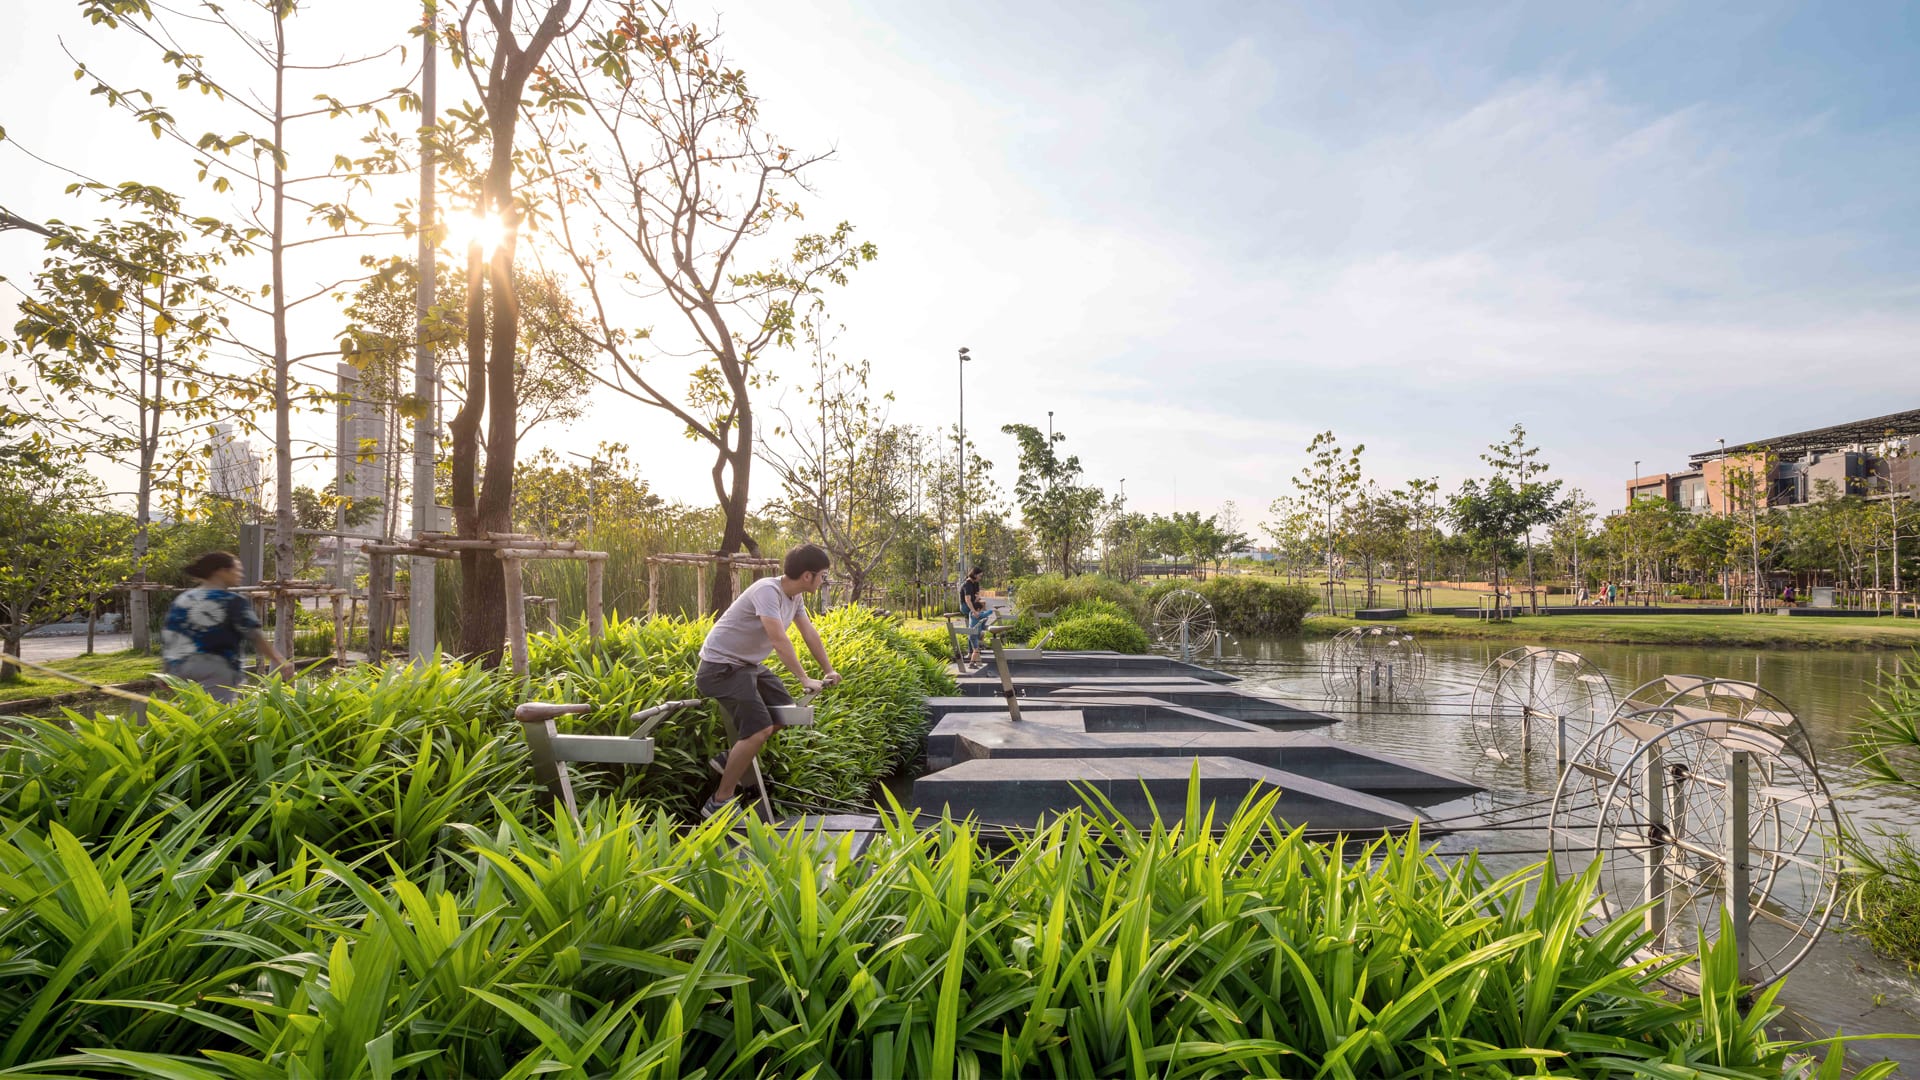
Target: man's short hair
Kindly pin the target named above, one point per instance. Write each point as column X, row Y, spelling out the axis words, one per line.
column 806, row 559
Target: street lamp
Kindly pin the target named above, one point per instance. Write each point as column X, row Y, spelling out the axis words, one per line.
column 962, row 546
column 591, row 463
column 1049, row 448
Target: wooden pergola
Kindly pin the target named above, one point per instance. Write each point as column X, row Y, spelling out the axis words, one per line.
column 736, row 564
column 515, row 550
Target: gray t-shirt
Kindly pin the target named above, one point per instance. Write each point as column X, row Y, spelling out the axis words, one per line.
column 738, row 637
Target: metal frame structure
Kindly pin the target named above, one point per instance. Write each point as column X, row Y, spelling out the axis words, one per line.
column 1532, row 686
column 1183, row 619
column 1837, row 437
column 1373, row 659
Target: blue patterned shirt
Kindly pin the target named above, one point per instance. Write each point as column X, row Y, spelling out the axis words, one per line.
column 207, row 620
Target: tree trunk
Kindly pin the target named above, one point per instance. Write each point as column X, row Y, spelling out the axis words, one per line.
column 484, row 616
column 734, row 465
column 10, row 642
column 93, row 609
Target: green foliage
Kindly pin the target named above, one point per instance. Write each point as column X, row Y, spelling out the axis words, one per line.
column 1885, row 903
column 1052, row 592
column 619, row 946
column 1251, row 605
column 1098, row 630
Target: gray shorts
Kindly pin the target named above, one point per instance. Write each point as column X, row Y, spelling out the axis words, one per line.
column 215, row 673
column 744, row 691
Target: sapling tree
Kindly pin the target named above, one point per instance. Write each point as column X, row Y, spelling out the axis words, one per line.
column 1060, row 510
column 1328, row 482
column 669, row 190
column 117, row 332
column 1418, row 505
column 1521, row 465
column 248, row 154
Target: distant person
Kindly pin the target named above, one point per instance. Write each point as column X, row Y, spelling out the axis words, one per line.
column 201, row 638
column 1613, row 593
column 1580, row 600
column 977, row 612
column 733, row 669
column 1787, row 594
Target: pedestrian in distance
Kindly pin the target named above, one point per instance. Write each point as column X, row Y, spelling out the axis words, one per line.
column 201, row 638
column 733, row 668
column 977, row 612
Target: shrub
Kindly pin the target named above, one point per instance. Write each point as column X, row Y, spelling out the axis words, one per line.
column 1885, row 899
column 617, row 946
column 1257, row 606
column 1051, row 592
column 1099, row 630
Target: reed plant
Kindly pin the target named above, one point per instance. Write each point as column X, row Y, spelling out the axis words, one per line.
column 621, row 946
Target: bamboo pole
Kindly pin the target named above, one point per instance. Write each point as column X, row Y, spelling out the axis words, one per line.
column 653, row 588
column 596, row 582
column 516, row 615
column 699, row 591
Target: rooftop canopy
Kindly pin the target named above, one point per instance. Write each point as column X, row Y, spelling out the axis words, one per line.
column 1820, row 440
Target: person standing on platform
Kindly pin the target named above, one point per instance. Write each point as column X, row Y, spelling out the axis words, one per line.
column 733, row 668
column 977, row 612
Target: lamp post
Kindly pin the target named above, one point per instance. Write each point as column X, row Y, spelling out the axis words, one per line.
column 961, row 547
column 1049, row 450
column 592, row 463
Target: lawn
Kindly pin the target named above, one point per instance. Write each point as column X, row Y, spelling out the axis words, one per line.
column 1740, row 630
column 108, row 668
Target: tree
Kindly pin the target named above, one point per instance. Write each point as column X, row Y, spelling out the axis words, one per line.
column 684, row 178
column 850, row 479
column 1418, row 502
column 117, row 332
column 1053, row 503
column 1375, row 527
column 251, row 146
column 1746, row 481
column 558, row 499
column 1327, row 482
column 1494, row 514
column 1291, row 526
column 49, row 508
column 550, row 382
column 1572, row 529
column 501, row 59
column 1520, row 464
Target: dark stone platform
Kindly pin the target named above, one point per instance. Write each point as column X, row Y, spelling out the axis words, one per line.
column 1124, row 704
column 1380, row 614
column 1024, row 791
column 1069, row 735
column 1108, row 665
column 1832, row 613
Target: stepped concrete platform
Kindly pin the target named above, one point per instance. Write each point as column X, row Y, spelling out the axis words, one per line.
column 1023, row 791
column 1072, row 735
column 1111, row 664
column 1115, row 709
column 1252, row 703
column 835, row 835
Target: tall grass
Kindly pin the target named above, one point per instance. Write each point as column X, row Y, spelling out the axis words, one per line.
column 619, row 947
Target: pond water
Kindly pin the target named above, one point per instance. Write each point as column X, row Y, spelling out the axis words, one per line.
column 1841, row 984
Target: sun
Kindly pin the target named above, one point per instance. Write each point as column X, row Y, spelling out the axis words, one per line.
column 464, row 230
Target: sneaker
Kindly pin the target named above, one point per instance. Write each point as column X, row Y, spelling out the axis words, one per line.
column 718, row 763
column 710, row 808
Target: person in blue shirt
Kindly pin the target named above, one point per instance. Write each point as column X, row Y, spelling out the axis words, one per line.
column 977, row 612
column 206, row 626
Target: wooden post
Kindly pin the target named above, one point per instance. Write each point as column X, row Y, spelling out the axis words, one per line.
column 653, row 588
column 339, row 630
column 516, row 616
column 700, row 571
column 596, row 582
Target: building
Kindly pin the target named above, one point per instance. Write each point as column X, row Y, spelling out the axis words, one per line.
column 1875, row 457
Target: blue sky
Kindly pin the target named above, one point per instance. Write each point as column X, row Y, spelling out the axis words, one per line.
column 1202, row 233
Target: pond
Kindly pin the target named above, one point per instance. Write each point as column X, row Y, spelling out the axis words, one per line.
column 1841, row 984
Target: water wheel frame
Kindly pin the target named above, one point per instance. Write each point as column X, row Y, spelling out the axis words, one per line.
column 1522, row 692
column 1184, row 607
column 1349, row 655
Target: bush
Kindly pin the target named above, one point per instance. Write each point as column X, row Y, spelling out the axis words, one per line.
column 1257, row 606
column 1885, row 900
column 618, row 946
column 1099, row 630
column 1051, row 592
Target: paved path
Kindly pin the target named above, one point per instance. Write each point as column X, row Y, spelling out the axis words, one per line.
column 43, row 649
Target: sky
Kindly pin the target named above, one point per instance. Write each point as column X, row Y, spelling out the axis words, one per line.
column 1199, row 234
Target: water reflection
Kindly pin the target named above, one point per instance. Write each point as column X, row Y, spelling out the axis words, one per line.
column 1827, row 690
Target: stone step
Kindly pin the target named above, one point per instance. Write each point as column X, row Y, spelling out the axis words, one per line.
column 1023, row 791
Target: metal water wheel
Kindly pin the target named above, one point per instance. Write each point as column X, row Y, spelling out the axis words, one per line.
column 1183, row 620
column 1373, row 659
column 1709, row 821
column 1533, row 698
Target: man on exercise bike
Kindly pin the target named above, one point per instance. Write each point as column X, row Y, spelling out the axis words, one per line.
column 733, row 666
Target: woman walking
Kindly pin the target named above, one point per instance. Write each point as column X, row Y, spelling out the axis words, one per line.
column 200, row 641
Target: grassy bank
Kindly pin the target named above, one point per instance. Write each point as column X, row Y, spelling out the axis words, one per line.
column 105, row 668
column 1739, row 630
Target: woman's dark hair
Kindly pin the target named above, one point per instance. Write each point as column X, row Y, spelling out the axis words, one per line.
column 211, row 563
column 976, row 571
column 806, row 559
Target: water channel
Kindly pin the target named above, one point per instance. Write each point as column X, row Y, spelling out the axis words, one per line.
column 1841, row 985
